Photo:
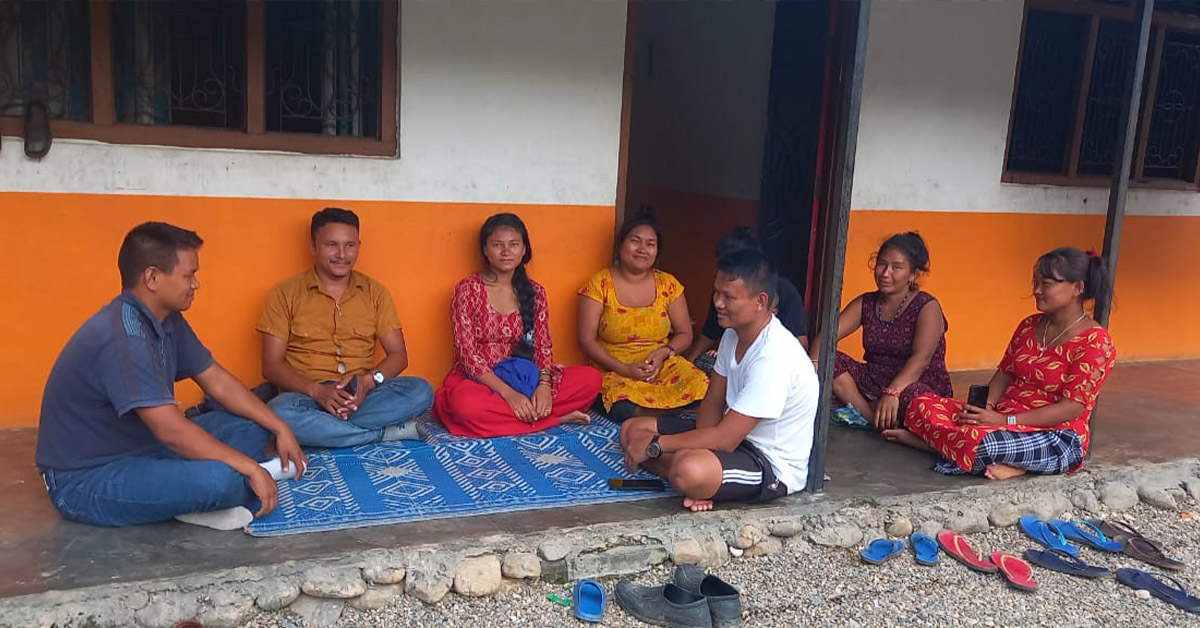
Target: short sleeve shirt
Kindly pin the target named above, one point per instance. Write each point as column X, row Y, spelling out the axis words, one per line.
column 790, row 312
column 321, row 333
column 120, row 360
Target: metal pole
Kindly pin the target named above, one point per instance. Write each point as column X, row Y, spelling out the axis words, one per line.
column 835, row 253
column 1125, row 148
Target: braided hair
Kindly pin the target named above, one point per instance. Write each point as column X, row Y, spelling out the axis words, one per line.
column 522, row 285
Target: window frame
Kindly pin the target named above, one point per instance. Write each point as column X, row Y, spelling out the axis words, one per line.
column 104, row 127
column 1096, row 11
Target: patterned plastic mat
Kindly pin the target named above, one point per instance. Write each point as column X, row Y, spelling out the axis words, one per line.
column 450, row 476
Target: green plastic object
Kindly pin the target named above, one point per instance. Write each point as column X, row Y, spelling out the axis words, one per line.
column 564, row 602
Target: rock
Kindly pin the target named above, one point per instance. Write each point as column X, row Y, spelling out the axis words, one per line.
column 687, row 552
column 167, row 609
column 618, row 561
column 478, row 576
column 931, row 527
column 786, row 528
column 1004, row 516
column 769, row 546
column 900, row 526
column 1142, row 594
column 509, row 586
column 430, row 578
column 274, row 595
column 716, row 552
column 376, row 597
column 1085, row 500
column 1192, row 485
column 553, row 550
column 339, row 583
column 968, row 521
column 317, row 612
column 1157, row 496
column 520, row 565
column 383, row 571
column 1050, row 506
column 1118, row 496
column 748, row 536
column 736, row 552
column 229, row 609
column 843, row 535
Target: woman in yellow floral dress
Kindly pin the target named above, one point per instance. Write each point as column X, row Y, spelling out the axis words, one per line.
column 633, row 323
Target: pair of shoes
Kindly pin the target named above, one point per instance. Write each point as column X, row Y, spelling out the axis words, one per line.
column 1136, row 545
column 1159, row 585
column 880, row 551
column 1049, row 536
column 694, row 600
column 1017, row 572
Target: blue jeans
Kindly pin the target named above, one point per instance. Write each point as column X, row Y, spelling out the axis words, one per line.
column 160, row 484
column 393, row 402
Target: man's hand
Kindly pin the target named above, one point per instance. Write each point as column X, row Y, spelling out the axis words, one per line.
column 290, row 452
column 635, row 454
column 366, row 384
column 264, row 487
column 543, row 401
column 333, row 398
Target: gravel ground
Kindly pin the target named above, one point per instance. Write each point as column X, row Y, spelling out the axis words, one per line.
column 812, row 585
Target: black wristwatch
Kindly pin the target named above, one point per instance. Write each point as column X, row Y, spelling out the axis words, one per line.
column 653, row 450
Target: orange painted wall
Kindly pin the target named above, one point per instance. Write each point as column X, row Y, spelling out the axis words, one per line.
column 60, row 262
column 981, row 267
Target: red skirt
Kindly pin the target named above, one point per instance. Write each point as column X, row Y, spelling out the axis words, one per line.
column 468, row 408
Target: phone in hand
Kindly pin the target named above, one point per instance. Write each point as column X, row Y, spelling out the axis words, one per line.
column 352, row 386
column 977, row 396
column 625, row 484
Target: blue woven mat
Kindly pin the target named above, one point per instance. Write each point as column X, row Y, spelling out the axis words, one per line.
column 450, row 476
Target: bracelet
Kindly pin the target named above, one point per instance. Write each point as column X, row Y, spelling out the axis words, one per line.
column 891, row 392
column 670, row 350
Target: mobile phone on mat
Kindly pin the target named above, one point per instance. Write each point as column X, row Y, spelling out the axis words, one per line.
column 624, row 484
column 978, row 396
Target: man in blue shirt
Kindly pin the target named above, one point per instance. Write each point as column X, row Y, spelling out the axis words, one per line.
column 114, row 447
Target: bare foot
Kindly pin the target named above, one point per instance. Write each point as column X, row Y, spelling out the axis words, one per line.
column 697, row 505
column 576, row 418
column 905, row 437
column 1002, row 472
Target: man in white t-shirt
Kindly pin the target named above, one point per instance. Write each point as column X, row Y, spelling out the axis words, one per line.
column 754, row 430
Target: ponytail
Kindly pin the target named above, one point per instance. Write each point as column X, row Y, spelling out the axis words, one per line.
column 527, row 299
column 1095, row 286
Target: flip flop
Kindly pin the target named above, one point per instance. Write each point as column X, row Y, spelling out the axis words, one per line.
column 1048, row 537
column 1087, row 533
column 1120, row 530
column 590, row 600
column 1017, row 572
column 882, row 550
column 1159, row 586
column 1064, row 564
column 1138, row 545
column 960, row 549
column 925, row 548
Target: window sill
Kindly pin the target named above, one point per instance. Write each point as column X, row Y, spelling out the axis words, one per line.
column 1035, row 178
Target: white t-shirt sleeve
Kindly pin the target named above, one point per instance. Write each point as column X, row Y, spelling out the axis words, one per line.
column 765, row 393
column 725, row 350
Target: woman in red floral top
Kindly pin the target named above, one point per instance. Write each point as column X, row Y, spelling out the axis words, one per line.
column 1040, row 399
column 504, row 380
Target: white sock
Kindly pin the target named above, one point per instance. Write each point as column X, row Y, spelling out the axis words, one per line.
column 274, row 466
column 407, row 431
column 234, row 518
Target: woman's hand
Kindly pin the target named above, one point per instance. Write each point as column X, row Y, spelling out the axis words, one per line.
column 974, row 415
column 543, row 401
column 521, row 406
column 887, row 410
column 655, row 362
column 639, row 371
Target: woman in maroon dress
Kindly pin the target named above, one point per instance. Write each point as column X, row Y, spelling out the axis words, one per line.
column 904, row 339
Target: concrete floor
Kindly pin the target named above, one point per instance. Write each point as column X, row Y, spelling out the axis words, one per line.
column 1147, row 412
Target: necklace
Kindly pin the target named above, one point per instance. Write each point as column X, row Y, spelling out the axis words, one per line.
column 1046, row 330
column 899, row 308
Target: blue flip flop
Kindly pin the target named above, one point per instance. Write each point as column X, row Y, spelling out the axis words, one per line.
column 1087, row 533
column 590, row 600
column 1049, row 537
column 882, row 550
column 1159, row 585
column 925, row 548
column 1065, row 564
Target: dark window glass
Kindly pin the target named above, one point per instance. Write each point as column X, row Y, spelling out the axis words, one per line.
column 180, row 62
column 1051, row 58
column 1172, row 137
column 323, row 67
column 44, row 46
column 1102, row 118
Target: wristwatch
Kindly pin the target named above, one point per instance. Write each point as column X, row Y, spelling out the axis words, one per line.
column 653, row 450
column 1012, row 419
column 378, row 377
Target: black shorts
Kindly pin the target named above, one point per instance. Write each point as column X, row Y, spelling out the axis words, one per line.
column 747, row 475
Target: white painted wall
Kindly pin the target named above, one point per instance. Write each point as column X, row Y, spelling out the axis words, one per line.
column 699, row 120
column 936, row 99
column 501, row 101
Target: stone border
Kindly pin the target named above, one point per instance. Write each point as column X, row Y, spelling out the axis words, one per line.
column 318, row 590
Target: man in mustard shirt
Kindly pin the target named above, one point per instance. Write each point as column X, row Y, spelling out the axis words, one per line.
column 319, row 330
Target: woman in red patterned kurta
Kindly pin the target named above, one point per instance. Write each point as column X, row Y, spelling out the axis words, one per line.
column 499, row 317
column 1041, row 397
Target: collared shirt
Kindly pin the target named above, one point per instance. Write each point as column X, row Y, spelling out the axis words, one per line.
column 120, row 360
column 322, row 333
